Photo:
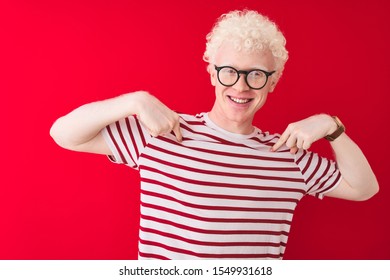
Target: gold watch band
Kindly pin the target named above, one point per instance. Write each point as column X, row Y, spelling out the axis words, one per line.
column 340, row 129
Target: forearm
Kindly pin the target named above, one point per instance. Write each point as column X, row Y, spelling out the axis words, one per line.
column 84, row 123
column 354, row 167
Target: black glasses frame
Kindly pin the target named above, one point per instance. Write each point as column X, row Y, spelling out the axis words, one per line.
column 246, row 73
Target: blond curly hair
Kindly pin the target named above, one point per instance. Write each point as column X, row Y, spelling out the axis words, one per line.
column 250, row 31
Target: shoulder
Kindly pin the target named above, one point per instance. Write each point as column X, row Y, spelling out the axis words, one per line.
column 192, row 118
column 189, row 120
column 267, row 138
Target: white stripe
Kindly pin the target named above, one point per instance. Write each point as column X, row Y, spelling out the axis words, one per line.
column 225, row 184
column 121, row 144
column 215, row 213
column 218, row 201
column 111, row 145
column 220, row 160
column 185, row 148
column 194, row 223
column 231, row 191
column 200, row 249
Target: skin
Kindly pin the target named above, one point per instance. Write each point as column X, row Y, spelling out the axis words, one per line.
column 226, row 113
column 80, row 129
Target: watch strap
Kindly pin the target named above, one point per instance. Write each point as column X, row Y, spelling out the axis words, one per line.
column 340, row 129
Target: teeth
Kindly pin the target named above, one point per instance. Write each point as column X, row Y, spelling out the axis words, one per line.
column 240, row 101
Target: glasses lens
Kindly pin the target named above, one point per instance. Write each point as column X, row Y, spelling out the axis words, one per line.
column 228, row 76
column 256, row 79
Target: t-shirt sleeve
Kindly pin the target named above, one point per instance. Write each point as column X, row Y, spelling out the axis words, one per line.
column 321, row 175
column 127, row 139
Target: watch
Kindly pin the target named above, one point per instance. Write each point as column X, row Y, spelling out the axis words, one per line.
column 340, row 129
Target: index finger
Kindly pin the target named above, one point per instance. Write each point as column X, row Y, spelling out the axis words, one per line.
column 177, row 131
column 283, row 138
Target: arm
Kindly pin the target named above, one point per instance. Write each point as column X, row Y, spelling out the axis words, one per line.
column 80, row 129
column 359, row 181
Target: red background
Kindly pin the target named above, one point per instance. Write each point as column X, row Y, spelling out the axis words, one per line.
column 57, row 204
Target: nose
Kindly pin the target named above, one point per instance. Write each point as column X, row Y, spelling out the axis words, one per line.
column 241, row 84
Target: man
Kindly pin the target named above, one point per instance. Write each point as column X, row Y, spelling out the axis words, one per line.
column 213, row 185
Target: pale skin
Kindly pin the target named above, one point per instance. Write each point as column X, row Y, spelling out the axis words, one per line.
column 80, row 129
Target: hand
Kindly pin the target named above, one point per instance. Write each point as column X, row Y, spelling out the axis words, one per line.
column 157, row 118
column 302, row 134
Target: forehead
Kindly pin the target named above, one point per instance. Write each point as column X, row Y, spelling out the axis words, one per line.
column 227, row 55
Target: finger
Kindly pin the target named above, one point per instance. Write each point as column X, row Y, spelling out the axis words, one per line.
column 291, row 141
column 299, row 143
column 306, row 145
column 152, row 133
column 294, row 150
column 176, row 129
column 283, row 138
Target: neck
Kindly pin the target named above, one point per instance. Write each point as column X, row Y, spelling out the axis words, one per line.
column 231, row 124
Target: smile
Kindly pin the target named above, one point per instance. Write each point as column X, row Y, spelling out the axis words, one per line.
column 239, row 100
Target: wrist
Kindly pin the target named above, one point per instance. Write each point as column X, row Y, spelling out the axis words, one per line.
column 332, row 125
column 336, row 129
column 136, row 101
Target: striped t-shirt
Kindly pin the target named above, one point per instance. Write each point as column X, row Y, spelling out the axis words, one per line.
column 216, row 194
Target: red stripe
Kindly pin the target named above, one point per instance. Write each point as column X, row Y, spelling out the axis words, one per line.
column 222, row 164
column 218, row 173
column 319, row 162
column 217, row 208
column 223, row 153
column 220, row 140
column 332, row 185
column 226, row 185
column 124, row 141
column 205, row 255
column 308, row 164
column 214, row 220
column 195, row 122
column 208, row 243
column 265, row 142
column 218, row 196
column 130, row 131
column 209, row 231
column 141, row 134
column 302, row 157
column 116, row 144
column 319, row 178
column 320, row 190
column 152, row 256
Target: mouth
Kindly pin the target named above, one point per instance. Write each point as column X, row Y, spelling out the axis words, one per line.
column 240, row 100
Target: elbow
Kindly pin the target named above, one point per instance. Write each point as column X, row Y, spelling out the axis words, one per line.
column 372, row 191
column 54, row 133
column 57, row 132
column 375, row 189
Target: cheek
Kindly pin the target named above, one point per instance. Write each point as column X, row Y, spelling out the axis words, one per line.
column 219, row 92
column 261, row 99
column 213, row 79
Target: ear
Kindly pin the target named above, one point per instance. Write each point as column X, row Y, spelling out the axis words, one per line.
column 274, row 82
column 273, row 85
column 213, row 74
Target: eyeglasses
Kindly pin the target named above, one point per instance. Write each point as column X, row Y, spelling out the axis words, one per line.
column 255, row 79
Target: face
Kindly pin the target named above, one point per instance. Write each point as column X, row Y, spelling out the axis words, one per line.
column 235, row 106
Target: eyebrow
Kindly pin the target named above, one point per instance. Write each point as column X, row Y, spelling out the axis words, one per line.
column 246, row 69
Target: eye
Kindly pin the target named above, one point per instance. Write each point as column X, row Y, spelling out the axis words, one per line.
column 257, row 74
column 228, row 71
